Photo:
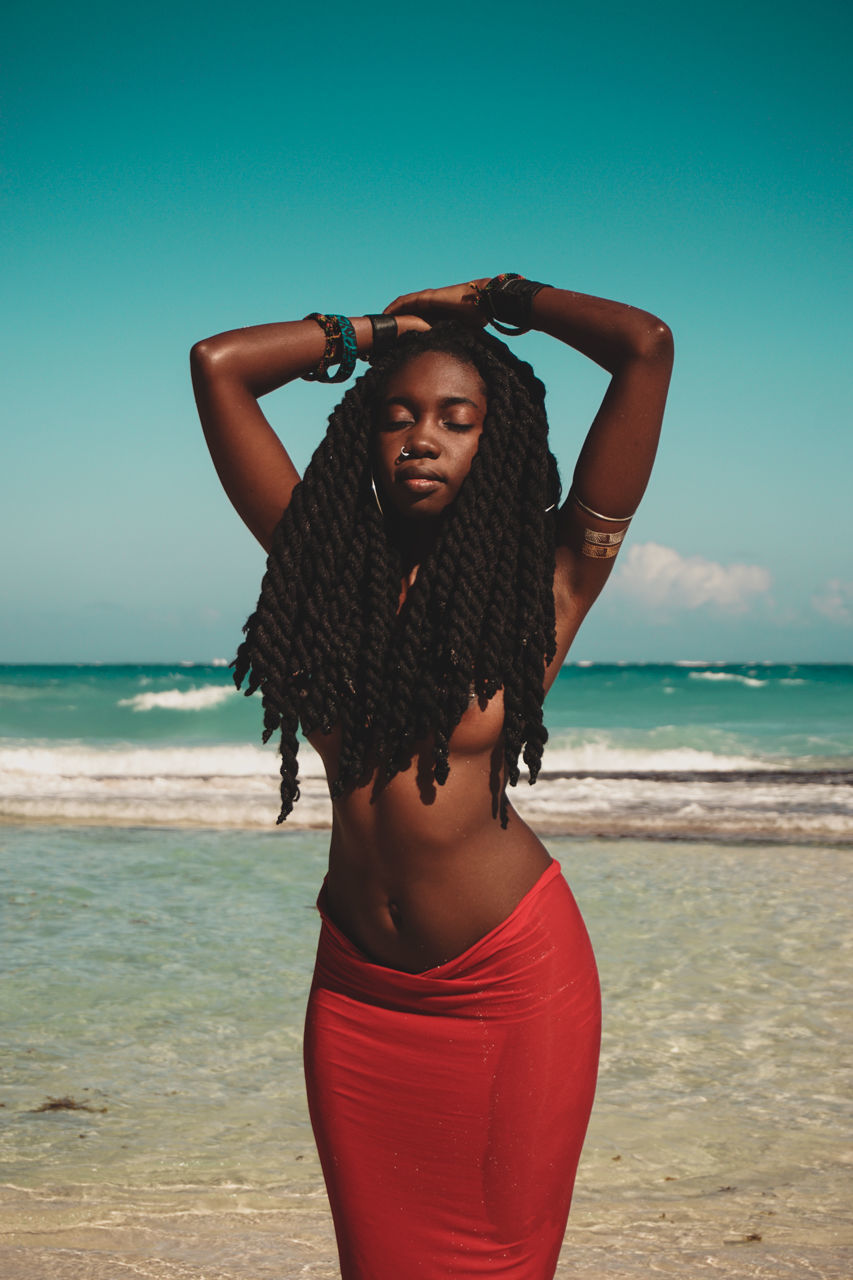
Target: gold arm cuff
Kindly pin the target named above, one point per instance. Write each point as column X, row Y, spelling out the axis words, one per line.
column 598, row 553
column 604, row 539
column 597, row 514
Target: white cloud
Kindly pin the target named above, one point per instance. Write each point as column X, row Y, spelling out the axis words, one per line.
column 835, row 600
column 660, row 577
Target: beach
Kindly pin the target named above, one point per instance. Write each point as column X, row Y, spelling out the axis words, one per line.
column 157, row 963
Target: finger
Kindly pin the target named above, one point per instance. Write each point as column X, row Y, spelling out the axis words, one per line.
column 420, row 303
column 405, row 302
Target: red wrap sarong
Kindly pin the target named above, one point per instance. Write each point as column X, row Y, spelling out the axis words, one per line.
column 450, row 1107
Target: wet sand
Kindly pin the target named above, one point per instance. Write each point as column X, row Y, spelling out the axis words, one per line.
column 201, row 1236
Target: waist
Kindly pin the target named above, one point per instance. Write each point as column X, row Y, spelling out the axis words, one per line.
column 410, row 901
column 543, row 934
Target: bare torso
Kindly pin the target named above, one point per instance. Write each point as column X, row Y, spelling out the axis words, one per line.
column 418, row 872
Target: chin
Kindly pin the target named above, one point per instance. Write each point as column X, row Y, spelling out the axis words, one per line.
column 424, row 508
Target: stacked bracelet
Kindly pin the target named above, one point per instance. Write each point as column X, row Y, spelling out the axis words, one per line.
column 384, row 336
column 508, row 298
column 349, row 354
column 341, row 348
column 332, row 332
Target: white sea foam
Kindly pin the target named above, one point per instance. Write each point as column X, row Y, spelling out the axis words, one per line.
column 209, row 695
column 197, row 786
column 222, row 786
column 597, row 756
column 73, row 760
column 244, row 760
column 732, row 676
column 740, row 809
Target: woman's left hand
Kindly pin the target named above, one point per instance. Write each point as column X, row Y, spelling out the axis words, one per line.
column 453, row 302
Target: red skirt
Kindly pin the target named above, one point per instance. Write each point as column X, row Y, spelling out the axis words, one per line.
column 449, row 1107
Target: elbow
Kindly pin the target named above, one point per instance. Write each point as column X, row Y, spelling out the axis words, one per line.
column 210, row 361
column 654, row 341
column 207, row 368
column 203, row 355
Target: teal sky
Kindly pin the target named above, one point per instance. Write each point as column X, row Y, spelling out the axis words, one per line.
column 169, row 171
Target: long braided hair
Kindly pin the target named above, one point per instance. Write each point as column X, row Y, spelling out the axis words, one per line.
column 328, row 644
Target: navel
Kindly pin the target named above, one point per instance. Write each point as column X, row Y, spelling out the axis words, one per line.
column 395, row 913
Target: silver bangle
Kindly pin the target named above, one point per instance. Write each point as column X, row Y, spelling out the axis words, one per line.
column 597, row 514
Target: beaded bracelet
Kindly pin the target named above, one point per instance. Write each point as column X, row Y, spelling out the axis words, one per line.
column 332, row 331
column 341, row 346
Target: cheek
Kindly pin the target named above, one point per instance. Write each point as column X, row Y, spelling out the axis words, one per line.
column 473, row 448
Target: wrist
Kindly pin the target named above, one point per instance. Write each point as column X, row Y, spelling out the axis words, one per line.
column 340, row 348
column 507, row 302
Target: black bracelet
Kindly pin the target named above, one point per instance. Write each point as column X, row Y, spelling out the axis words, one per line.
column 384, row 336
column 508, row 299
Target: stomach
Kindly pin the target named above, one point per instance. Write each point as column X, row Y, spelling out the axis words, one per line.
column 419, row 872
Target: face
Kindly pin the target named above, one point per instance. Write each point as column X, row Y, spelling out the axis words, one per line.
column 430, row 423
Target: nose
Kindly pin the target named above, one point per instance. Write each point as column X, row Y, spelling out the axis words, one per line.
column 422, row 441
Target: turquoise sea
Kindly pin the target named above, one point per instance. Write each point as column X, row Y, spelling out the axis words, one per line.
column 732, row 751
column 158, row 932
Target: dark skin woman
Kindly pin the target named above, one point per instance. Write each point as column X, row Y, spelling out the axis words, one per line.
column 427, row 857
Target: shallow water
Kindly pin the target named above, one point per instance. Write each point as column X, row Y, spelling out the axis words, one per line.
column 158, row 977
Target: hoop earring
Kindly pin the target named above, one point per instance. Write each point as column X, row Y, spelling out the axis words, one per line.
column 376, row 495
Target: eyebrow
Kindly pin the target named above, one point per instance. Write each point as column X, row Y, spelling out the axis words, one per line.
column 445, row 402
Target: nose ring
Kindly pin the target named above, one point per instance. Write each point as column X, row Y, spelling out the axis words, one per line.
column 405, row 452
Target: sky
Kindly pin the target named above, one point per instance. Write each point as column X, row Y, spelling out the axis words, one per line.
column 173, row 170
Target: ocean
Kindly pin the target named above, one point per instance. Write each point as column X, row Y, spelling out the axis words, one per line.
column 158, row 935
column 685, row 750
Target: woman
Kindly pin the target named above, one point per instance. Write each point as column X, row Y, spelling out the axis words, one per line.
column 422, row 590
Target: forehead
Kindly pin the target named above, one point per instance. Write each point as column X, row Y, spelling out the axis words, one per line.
column 436, row 374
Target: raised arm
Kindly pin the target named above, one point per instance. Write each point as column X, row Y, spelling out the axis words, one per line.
column 614, row 464
column 615, row 460
column 230, row 372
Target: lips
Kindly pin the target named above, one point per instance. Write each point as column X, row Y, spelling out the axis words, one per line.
column 416, row 474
